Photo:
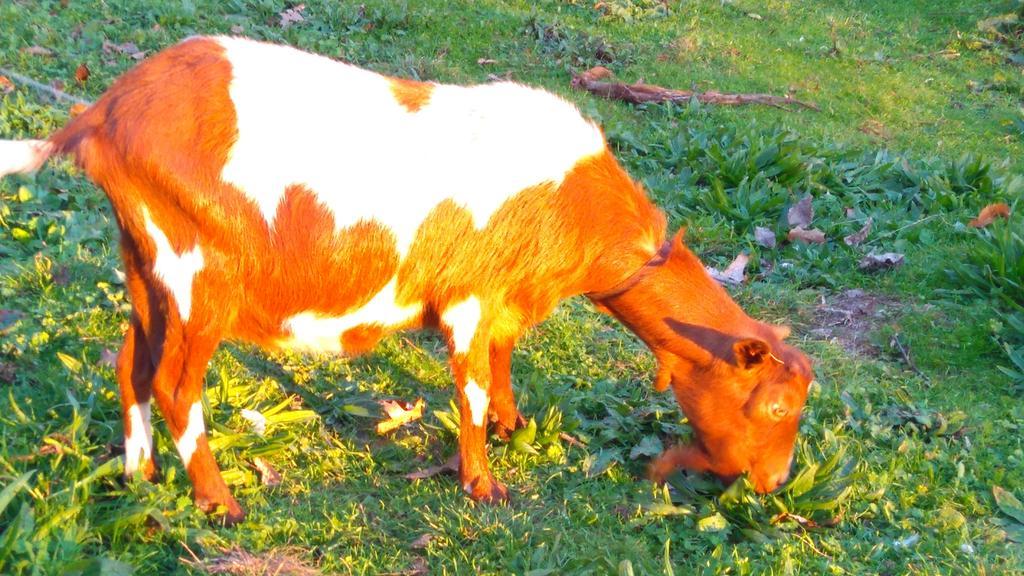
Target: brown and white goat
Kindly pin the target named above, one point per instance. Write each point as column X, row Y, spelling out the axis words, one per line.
column 272, row 196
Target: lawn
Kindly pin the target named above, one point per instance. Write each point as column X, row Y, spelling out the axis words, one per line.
column 911, row 455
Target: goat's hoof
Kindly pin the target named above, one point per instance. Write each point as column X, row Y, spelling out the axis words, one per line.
column 148, row 471
column 504, row 428
column 489, row 491
column 228, row 513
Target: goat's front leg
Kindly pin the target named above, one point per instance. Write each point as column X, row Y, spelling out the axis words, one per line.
column 469, row 347
column 178, row 386
column 502, row 410
column 679, row 457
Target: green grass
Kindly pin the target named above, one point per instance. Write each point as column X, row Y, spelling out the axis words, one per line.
column 917, row 453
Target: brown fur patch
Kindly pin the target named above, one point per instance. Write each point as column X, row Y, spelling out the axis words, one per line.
column 308, row 265
column 411, row 94
column 361, row 339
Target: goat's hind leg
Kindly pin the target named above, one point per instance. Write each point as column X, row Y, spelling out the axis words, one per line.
column 136, row 365
column 135, row 380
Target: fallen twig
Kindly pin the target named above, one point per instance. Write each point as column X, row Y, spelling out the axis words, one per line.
column 571, row 440
column 50, row 91
column 885, row 235
column 598, row 81
column 895, row 343
column 450, row 466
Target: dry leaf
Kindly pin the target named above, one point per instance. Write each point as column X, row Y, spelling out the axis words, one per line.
column 128, row 48
column 859, row 236
column 813, row 235
column 422, row 541
column 484, row 61
column 875, row 262
column 6, row 86
column 237, row 29
column 764, row 237
column 873, row 127
column 108, row 358
column 787, row 517
column 418, row 567
column 82, row 73
column 735, row 269
column 8, row 318
column 7, row 372
column 291, row 16
column 268, row 475
column 57, row 85
column 450, row 465
column 399, row 413
column 37, row 51
column 255, row 419
column 109, row 47
column 989, row 214
column 77, row 108
column 801, row 213
column 733, row 274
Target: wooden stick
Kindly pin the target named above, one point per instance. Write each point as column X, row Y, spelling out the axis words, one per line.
column 597, row 81
column 895, row 343
column 50, row 91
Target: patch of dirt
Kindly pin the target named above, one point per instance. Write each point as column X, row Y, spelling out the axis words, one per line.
column 851, row 317
column 239, row 562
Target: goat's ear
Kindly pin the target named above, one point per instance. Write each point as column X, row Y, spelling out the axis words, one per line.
column 750, row 352
column 679, row 239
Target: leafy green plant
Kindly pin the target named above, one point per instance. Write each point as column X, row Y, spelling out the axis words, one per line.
column 812, row 498
column 1010, row 506
column 1010, row 337
column 574, row 48
column 633, row 10
column 750, row 203
column 993, row 265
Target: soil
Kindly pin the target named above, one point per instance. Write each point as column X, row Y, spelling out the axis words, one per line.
column 851, row 317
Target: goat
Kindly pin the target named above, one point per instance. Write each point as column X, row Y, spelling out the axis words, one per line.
column 268, row 195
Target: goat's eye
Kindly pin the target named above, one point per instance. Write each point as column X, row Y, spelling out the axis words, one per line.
column 777, row 411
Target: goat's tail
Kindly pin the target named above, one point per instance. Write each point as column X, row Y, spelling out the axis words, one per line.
column 20, row 156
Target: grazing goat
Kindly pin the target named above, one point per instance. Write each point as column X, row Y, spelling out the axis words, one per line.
column 272, row 196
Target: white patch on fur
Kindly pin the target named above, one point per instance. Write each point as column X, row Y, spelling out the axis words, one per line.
column 138, row 443
column 20, row 156
column 176, row 271
column 366, row 157
column 186, row 443
column 462, row 319
column 478, row 400
column 315, row 333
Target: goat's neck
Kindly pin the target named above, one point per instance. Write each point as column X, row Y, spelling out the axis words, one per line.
column 678, row 307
